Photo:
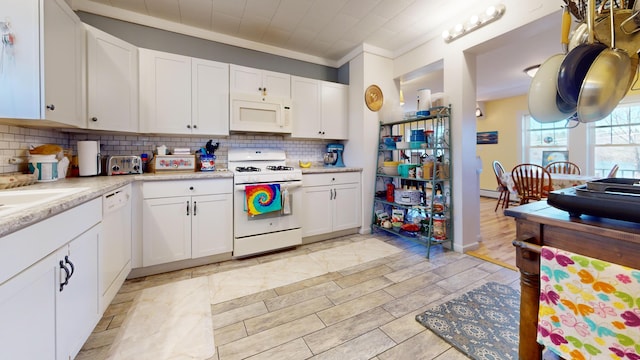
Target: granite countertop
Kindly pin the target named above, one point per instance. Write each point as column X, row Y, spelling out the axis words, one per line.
column 89, row 188
column 322, row 170
column 93, row 187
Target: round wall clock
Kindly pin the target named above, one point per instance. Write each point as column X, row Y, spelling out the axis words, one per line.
column 373, row 98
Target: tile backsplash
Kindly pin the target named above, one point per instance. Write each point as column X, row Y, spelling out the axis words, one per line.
column 15, row 142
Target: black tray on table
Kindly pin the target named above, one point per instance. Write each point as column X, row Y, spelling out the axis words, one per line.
column 613, row 198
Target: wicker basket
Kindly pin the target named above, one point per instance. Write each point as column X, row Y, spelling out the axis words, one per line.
column 8, row 181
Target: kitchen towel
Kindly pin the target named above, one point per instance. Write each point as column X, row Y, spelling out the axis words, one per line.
column 589, row 308
column 263, row 198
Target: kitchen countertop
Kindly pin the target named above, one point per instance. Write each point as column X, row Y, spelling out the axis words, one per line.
column 96, row 186
column 322, row 170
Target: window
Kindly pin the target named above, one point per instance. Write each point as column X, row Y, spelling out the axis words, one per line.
column 550, row 138
column 616, row 140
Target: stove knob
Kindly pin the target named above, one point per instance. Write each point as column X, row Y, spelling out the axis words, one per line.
column 136, row 168
column 115, row 168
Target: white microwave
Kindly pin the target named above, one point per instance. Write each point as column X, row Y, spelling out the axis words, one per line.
column 249, row 112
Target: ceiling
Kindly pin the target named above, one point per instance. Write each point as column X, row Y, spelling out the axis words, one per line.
column 328, row 30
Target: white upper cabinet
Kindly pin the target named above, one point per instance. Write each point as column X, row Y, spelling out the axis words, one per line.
column 112, row 82
column 165, row 92
column 320, row 109
column 210, row 97
column 42, row 77
column 182, row 95
column 334, row 110
column 260, row 82
column 306, row 108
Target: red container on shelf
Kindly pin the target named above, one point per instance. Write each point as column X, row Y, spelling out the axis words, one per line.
column 390, row 190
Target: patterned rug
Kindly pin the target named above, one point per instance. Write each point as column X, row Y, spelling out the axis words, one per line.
column 482, row 323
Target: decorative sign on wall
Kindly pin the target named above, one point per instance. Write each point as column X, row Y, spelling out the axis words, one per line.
column 487, row 137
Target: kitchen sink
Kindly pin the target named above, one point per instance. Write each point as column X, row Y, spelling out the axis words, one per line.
column 15, row 200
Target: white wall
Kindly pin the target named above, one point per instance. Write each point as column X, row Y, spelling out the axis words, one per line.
column 458, row 59
column 362, row 148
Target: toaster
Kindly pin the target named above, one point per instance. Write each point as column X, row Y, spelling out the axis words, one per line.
column 122, row 165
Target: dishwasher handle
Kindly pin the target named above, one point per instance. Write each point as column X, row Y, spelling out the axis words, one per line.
column 115, row 200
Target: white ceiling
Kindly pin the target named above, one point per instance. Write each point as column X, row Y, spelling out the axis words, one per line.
column 331, row 29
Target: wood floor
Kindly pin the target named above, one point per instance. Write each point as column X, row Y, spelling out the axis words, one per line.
column 497, row 231
column 364, row 312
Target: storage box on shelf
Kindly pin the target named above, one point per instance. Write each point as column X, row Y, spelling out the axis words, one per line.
column 415, row 202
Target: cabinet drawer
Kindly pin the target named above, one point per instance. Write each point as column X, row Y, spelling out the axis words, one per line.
column 330, row 179
column 25, row 247
column 162, row 189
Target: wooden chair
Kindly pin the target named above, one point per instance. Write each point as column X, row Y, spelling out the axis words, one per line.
column 614, row 171
column 563, row 167
column 498, row 169
column 532, row 181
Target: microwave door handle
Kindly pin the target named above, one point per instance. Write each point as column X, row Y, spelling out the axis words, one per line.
column 281, row 117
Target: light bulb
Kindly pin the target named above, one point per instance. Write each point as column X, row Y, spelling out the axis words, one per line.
column 491, row 11
column 474, row 20
column 446, row 35
column 458, row 28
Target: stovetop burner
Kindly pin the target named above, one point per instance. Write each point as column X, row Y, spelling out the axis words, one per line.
column 279, row 168
column 247, row 169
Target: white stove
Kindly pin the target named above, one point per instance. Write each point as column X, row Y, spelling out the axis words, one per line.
column 264, row 172
column 251, row 165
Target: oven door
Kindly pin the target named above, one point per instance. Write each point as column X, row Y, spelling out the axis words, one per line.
column 247, row 225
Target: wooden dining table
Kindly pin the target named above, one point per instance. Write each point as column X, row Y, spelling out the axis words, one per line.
column 558, row 181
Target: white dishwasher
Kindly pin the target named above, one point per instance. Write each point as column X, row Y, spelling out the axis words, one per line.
column 115, row 243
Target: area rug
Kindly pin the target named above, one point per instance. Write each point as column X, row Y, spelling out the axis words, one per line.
column 483, row 323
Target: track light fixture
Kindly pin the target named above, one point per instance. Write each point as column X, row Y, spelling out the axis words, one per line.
column 492, row 14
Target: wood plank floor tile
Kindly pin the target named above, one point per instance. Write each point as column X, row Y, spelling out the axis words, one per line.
column 423, row 346
column 354, row 307
column 293, row 350
column 306, row 293
column 361, row 348
column 339, row 333
column 269, row 339
column 279, row 317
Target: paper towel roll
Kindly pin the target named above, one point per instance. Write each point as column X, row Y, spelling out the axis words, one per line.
column 424, row 99
column 89, row 158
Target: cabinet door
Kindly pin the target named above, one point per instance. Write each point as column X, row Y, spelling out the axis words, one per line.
column 20, row 79
column 317, row 210
column 165, row 92
column 63, row 37
column 212, row 225
column 112, row 82
column 166, row 230
column 334, row 112
column 346, row 202
column 277, row 84
column 77, row 310
column 305, row 95
column 210, row 97
column 28, row 312
column 244, row 79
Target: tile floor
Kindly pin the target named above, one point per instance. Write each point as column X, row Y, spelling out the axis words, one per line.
column 360, row 312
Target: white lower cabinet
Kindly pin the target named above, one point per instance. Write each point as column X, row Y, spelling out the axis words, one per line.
column 49, row 294
column 331, row 203
column 77, row 311
column 186, row 219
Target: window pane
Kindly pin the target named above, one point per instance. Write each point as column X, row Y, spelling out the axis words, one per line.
column 616, row 140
